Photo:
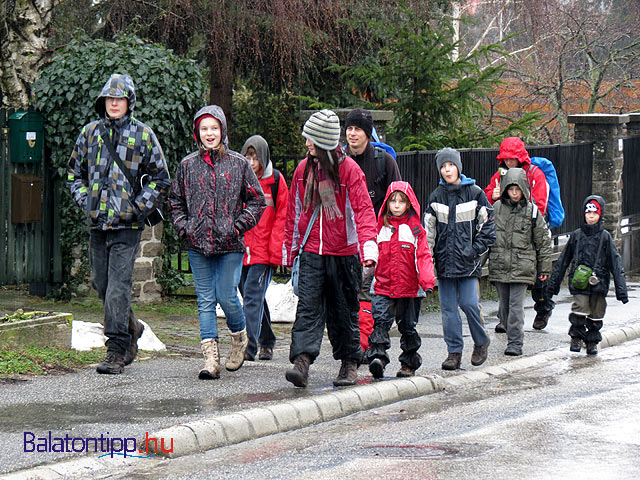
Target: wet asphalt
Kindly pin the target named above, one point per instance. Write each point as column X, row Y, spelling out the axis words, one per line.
column 155, row 393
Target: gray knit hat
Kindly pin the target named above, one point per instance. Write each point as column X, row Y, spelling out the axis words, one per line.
column 448, row 155
column 323, row 129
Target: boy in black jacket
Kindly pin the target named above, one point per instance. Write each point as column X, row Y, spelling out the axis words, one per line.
column 589, row 246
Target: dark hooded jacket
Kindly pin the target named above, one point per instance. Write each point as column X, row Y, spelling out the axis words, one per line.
column 215, row 196
column 404, row 260
column 114, row 203
column 582, row 249
column 460, row 228
column 523, row 244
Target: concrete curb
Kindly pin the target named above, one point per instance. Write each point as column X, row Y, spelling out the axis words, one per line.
column 202, row 435
column 250, row 424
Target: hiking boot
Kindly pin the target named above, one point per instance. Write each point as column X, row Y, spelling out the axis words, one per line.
column 239, row 344
column 376, row 367
column 405, row 371
column 500, row 328
column 541, row 320
column 136, row 332
column 576, row 344
column 513, row 351
column 266, row 353
column 211, row 354
column 299, row 374
column 348, row 374
column 479, row 354
column 452, row 361
column 113, row 364
column 592, row 348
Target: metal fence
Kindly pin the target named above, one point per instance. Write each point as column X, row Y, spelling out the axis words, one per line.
column 29, row 251
column 631, row 176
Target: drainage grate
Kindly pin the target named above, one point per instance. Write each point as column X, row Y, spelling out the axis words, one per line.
column 410, row 451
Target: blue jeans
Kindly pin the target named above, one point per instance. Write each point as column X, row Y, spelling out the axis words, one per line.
column 113, row 254
column 463, row 293
column 216, row 279
column 253, row 286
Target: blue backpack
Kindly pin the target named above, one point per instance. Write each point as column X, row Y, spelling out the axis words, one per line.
column 555, row 210
column 377, row 143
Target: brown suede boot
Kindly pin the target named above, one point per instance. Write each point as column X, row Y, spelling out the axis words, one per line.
column 348, row 374
column 452, row 362
column 239, row 344
column 136, row 328
column 211, row 369
column 299, row 374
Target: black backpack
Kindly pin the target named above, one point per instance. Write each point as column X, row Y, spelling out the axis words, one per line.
column 274, row 186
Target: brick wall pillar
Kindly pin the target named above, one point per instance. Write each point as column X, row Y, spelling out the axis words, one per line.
column 148, row 265
column 606, row 132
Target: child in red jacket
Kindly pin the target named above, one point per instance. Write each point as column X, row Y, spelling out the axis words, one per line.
column 404, row 271
column 263, row 250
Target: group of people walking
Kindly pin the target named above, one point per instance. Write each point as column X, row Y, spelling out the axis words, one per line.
column 357, row 230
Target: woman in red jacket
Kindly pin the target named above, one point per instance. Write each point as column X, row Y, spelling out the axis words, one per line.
column 341, row 238
column 404, row 272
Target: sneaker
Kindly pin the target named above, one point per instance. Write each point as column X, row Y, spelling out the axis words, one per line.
column 541, row 320
column 132, row 352
column 592, row 348
column 376, row 367
column 405, row 371
column 452, row 362
column 500, row 328
column 479, row 354
column 513, row 351
column 266, row 353
column 113, row 364
column 576, row 344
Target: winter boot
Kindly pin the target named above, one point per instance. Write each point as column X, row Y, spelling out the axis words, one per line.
column 405, row 371
column 541, row 320
column 135, row 330
column 376, row 367
column 592, row 348
column 211, row 369
column 299, row 374
column 113, row 364
column 452, row 362
column 479, row 354
column 239, row 344
column 266, row 353
column 576, row 344
column 500, row 328
column 348, row 374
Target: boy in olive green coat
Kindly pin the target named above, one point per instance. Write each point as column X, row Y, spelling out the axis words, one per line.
column 521, row 253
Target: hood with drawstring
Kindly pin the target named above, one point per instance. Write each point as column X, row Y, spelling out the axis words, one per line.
column 118, row 86
column 211, row 111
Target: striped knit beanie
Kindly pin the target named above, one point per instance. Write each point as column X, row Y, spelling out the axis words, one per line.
column 323, row 129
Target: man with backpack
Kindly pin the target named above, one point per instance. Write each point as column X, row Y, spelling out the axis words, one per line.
column 514, row 154
column 263, row 250
column 380, row 170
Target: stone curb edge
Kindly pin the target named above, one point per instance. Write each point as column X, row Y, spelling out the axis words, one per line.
column 202, row 435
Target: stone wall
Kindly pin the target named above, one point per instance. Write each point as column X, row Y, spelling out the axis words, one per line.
column 147, row 266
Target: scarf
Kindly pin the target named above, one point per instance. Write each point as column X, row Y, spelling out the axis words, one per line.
column 320, row 190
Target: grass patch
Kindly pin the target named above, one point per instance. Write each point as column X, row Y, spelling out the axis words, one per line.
column 42, row 361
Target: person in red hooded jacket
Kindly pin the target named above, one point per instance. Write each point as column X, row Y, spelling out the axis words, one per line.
column 403, row 273
column 513, row 154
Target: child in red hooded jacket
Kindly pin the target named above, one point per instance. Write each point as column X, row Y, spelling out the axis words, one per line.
column 403, row 272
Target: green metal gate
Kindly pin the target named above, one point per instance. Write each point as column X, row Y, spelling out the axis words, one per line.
column 29, row 251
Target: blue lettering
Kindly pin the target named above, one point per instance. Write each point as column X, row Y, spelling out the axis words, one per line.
column 26, row 442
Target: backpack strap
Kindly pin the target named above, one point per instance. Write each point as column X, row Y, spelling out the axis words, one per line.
column 275, row 186
column 380, row 154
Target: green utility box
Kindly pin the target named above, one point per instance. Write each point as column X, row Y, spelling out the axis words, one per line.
column 26, row 138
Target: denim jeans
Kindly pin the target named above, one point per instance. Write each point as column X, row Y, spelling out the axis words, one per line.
column 253, row 286
column 216, row 279
column 463, row 293
column 113, row 254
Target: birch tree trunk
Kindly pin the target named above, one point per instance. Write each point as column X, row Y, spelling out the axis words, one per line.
column 24, row 32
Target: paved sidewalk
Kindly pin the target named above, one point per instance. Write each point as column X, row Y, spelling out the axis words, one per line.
column 164, row 398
